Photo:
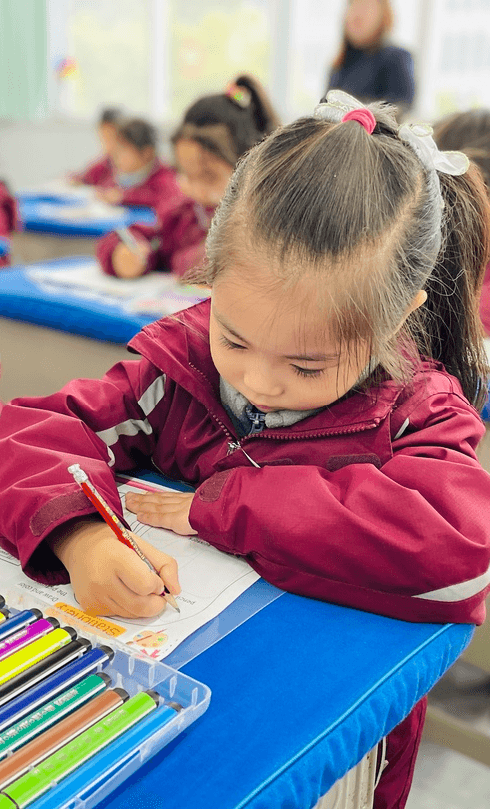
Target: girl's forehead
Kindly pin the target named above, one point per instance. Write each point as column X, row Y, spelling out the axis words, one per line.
column 285, row 318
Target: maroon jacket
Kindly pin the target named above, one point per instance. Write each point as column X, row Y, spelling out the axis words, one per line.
column 161, row 183
column 98, row 173
column 377, row 502
column 177, row 239
column 9, row 218
column 485, row 301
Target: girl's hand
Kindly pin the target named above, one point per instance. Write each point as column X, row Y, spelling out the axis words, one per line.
column 128, row 264
column 110, row 579
column 113, row 196
column 163, row 510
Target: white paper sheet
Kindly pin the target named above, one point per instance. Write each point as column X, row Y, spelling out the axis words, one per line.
column 210, row 581
column 157, row 293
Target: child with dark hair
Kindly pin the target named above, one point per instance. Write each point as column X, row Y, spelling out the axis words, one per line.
column 9, row 220
column 139, row 178
column 469, row 132
column 102, row 169
column 322, row 403
column 215, row 132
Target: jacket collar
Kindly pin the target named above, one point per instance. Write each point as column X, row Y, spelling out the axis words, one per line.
column 179, row 346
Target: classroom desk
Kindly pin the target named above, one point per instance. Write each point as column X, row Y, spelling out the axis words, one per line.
column 300, row 693
column 48, row 338
column 45, row 235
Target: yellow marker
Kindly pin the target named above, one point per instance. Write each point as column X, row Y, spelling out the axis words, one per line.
column 34, row 652
column 4, row 614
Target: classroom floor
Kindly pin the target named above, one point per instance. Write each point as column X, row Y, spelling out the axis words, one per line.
column 443, row 778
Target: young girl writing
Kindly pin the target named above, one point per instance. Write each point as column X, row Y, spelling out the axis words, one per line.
column 138, row 177
column 102, row 169
column 216, row 131
column 319, row 402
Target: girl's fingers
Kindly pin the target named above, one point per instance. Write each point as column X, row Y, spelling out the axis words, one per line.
column 165, row 565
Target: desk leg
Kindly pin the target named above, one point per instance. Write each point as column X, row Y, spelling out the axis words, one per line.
column 356, row 789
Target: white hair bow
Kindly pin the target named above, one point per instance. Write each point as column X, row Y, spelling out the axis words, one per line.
column 419, row 137
column 336, row 106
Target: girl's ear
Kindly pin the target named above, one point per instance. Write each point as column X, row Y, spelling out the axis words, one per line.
column 418, row 301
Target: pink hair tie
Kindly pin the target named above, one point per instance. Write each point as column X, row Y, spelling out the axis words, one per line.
column 363, row 116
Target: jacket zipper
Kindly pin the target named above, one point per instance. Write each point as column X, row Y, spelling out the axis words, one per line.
column 235, row 443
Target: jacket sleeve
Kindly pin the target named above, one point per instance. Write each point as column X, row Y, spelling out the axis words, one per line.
column 177, row 240
column 104, row 425
column 410, row 540
column 95, row 173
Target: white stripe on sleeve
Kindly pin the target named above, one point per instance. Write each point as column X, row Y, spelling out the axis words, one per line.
column 148, row 401
column 460, row 591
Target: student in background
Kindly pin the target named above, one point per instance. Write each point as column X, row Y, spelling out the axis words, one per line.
column 139, row 177
column 102, row 170
column 469, row 132
column 215, row 132
column 321, row 403
column 8, row 222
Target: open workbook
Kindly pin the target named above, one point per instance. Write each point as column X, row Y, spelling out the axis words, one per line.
column 210, row 581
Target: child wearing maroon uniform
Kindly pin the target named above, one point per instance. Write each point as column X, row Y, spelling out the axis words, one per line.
column 8, row 223
column 216, row 131
column 102, row 169
column 469, row 132
column 321, row 403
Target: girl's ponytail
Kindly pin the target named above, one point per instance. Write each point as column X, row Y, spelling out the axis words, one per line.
column 263, row 113
column 452, row 322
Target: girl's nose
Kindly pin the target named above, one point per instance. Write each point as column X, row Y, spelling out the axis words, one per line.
column 261, row 384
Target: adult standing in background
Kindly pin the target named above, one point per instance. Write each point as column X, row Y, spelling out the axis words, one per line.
column 367, row 66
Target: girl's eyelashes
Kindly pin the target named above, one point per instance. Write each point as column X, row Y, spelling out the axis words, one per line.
column 304, row 372
column 229, row 344
column 308, row 371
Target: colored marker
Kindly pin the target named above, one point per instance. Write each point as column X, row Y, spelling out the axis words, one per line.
column 36, row 651
column 16, row 622
column 31, row 676
column 37, row 781
column 4, row 614
column 69, row 728
column 26, row 635
column 55, row 683
column 39, row 720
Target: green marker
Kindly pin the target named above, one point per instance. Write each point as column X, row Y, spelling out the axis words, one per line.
column 52, row 712
column 36, row 782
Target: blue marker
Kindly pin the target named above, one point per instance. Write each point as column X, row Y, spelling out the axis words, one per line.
column 50, row 687
column 19, row 621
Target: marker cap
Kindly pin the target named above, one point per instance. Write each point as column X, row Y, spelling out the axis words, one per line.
column 72, row 632
column 175, row 705
column 122, row 693
column 105, row 677
column 2, row 601
column 54, row 622
column 107, row 649
column 155, row 695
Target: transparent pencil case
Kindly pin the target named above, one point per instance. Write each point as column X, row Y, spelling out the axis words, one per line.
column 107, row 770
